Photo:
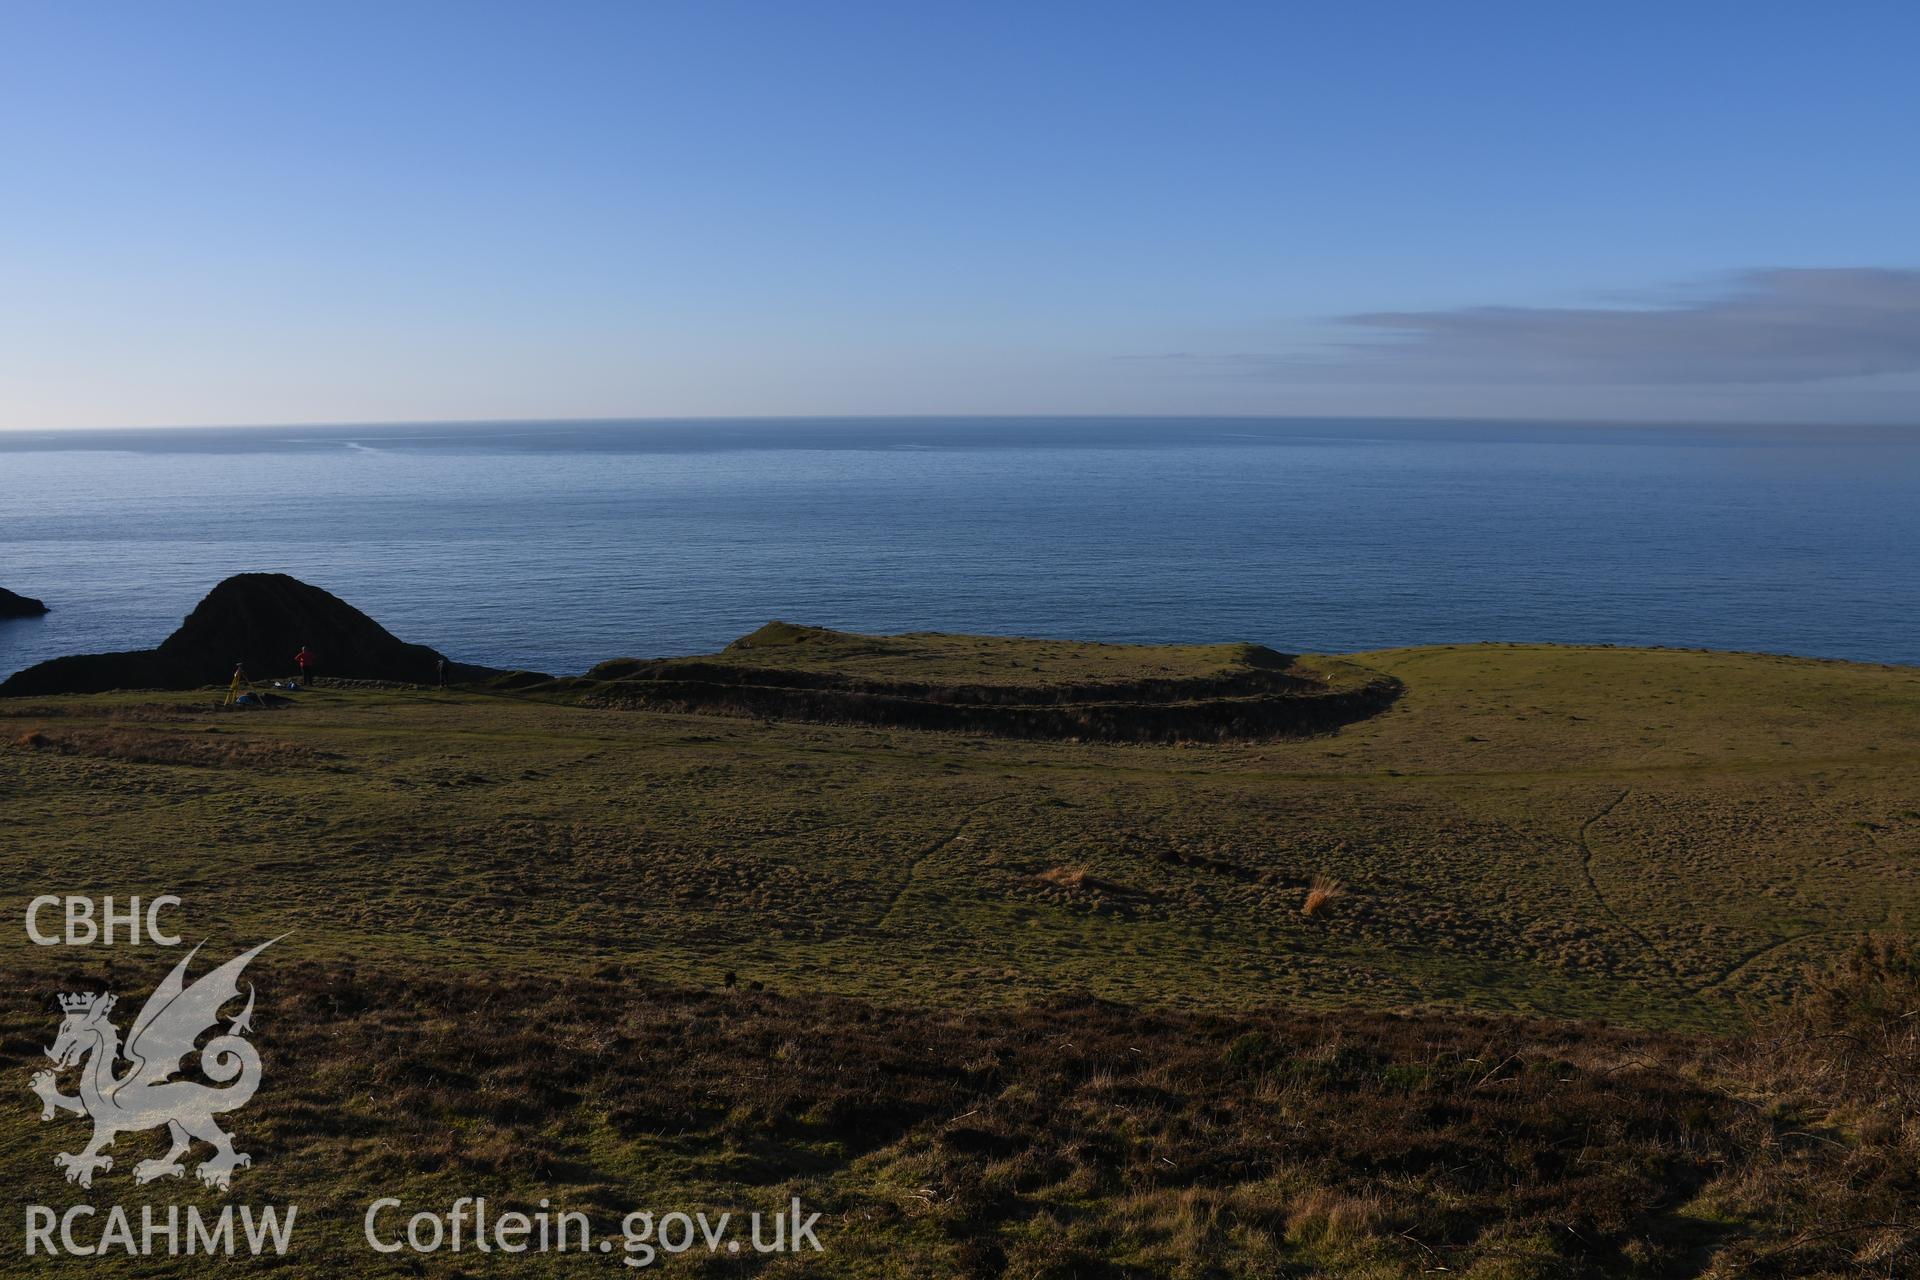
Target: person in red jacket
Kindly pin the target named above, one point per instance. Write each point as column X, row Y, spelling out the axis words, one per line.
column 305, row 659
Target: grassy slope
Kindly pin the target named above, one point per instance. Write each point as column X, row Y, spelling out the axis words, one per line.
column 1644, row 836
column 1638, row 835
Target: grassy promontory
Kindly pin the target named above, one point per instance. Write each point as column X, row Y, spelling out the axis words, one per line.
column 1032, row 1006
column 1012, row 687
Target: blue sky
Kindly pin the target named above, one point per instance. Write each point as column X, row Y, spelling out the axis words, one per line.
column 345, row 212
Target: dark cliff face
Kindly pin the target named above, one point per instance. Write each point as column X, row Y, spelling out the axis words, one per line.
column 259, row 619
column 13, row 605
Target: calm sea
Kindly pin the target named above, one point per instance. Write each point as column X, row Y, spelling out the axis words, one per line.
column 555, row 546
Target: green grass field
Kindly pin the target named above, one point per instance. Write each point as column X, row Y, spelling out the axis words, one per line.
column 1645, row 836
column 934, row 657
column 1663, row 840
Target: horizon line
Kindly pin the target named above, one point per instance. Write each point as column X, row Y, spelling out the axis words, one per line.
column 614, row 420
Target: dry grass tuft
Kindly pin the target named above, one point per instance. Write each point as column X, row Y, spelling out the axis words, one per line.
column 1079, row 879
column 1326, row 1214
column 1321, row 895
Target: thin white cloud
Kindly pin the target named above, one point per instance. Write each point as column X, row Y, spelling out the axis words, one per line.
column 1771, row 326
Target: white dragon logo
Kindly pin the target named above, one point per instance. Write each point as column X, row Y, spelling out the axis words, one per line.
column 145, row 1096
